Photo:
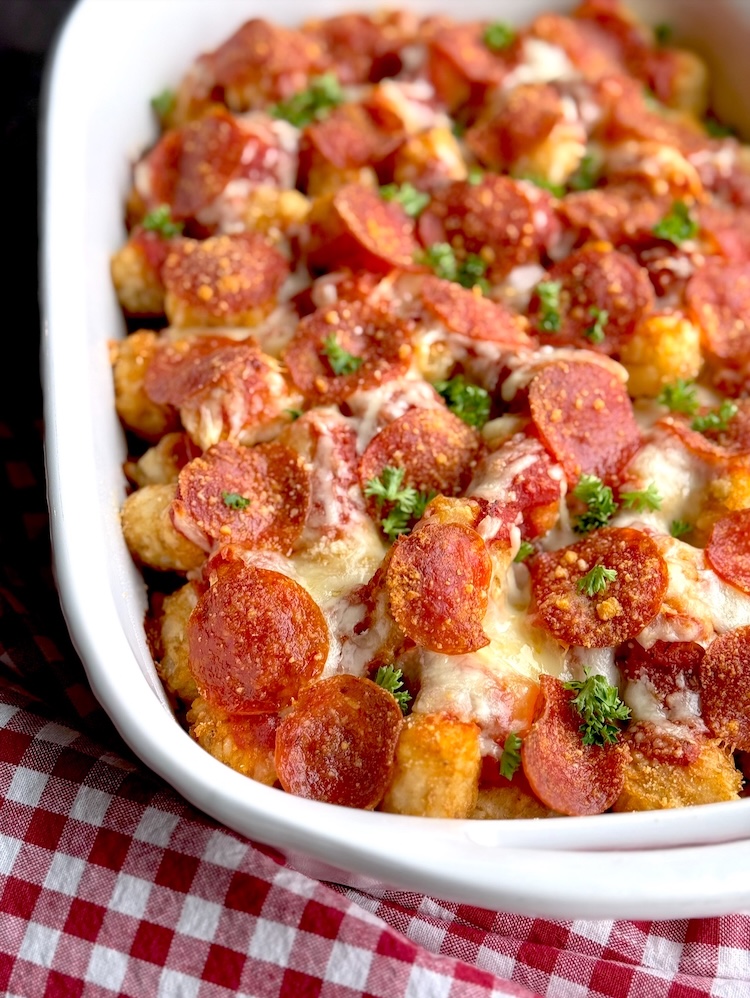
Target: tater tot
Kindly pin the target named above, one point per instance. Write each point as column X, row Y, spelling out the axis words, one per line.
column 173, row 666
column 663, row 348
column 139, row 287
column 150, row 534
column 725, row 494
column 437, row 768
column 244, row 742
column 509, row 802
column 130, row 358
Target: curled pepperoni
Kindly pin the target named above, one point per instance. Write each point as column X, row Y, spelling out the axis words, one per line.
column 718, row 297
column 508, row 222
column 728, row 549
column 438, row 583
column 728, row 445
column 436, row 449
column 728, row 229
column 472, row 315
column 460, row 66
column 525, row 119
column 257, row 496
column 585, row 417
column 223, row 280
column 255, row 638
column 347, row 139
column 668, row 666
column 363, row 48
column 725, row 688
column 623, row 214
column 617, row 612
column 338, row 741
column 565, row 774
column 377, row 342
column 357, row 229
column 595, row 284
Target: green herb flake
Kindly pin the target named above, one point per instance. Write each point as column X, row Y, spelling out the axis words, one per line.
column 639, row 500
column 413, row 201
column 160, row 220
column 293, row 413
column 341, row 361
column 680, row 396
column 510, row 760
column 442, row 261
column 597, row 580
column 549, row 301
column 715, row 420
column 595, row 332
column 524, row 551
column 599, row 500
column 499, row 36
column 586, row 175
column 408, row 503
column 469, row 402
column 234, row 500
column 600, row 707
column 717, row 129
column 546, row 185
column 164, row 103
column 475, row 176
column 312, row 104
column 663, row 34
column 677, row 226
column 679, row 527
column 391, row 680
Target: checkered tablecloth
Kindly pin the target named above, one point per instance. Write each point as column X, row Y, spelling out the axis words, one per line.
column 111, row 884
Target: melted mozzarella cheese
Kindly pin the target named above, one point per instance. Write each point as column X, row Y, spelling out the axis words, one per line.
column 540, row 63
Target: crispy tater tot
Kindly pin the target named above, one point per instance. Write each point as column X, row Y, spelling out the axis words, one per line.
column 244, row 742
column 664, row 347
column 173, row 666
column 130, row 358
column 150, row 535
column 509, row 802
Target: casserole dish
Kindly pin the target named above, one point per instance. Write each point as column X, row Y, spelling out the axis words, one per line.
column 110, row 58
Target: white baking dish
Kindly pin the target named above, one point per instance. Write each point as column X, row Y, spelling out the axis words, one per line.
column 111, row 57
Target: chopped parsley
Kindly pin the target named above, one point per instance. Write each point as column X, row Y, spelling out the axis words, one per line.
column 408, row 503
column 600, row 707
column 549, row 302
column 234, row 500
column 680, row 396
column 413, row 201
column 475, row 176
column 499, row 36
column 586, row 175
column 597, row 580
column 677, row 225
column 595, row 332
column 341, row 361
column 524, row 551
column 391, row 681
column 599, row 500
column 164, row 103
column 717, row 129
column 647, row 498
column 663, row 34
column 293, row 413
column 442, row 260
column 469, row 402
column 160, row 220
column 715, row 419
column 679, row 527
column 510, row 760
column 312, row 104
column 546, row 185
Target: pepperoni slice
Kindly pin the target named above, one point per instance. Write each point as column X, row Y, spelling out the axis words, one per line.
column 728, row 229
column 357, row 229
column 565, row 774
column 725, row 688
column 472, row 315
column 729, row 445
column 728, row 549
column 227, row 280
column 595, row 284
column 508, row 222
column 668, row 666
column 677, row 745
column 616, row 613
column 585, row 417
column 347, row 139
column 461, row 67
column 377, row 342
column 718, row 297
column 436, row 449
column 338, row 741
column 363, row 49
column 623, row 214
column 525, row 119
column 257, row 496
column 255, row 638
column 438, row 582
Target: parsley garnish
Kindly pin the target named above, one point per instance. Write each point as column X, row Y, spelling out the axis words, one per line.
column 600, row 706
column 391, row 681
column 312, row 104
column 164, row 103
column 411, row 200
column 510, row 760
column 679, row 527
column 441, row 258
column 234, row 500
column 600, row 501
column 663, row 34
column 293, row 413
column 716, row 419
column 597, row 580
column 549, row 300
column 595, row 332
column 469, row 402
column 717, row 129
column 680, row 396
column 408, row 503
column 160, row 220
column 586, row 175
column 498, row 36
column 647, row 498
column 546, row 185
column 524, row 551
column 341, row 361
column 475, row 176
column 677, row 225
